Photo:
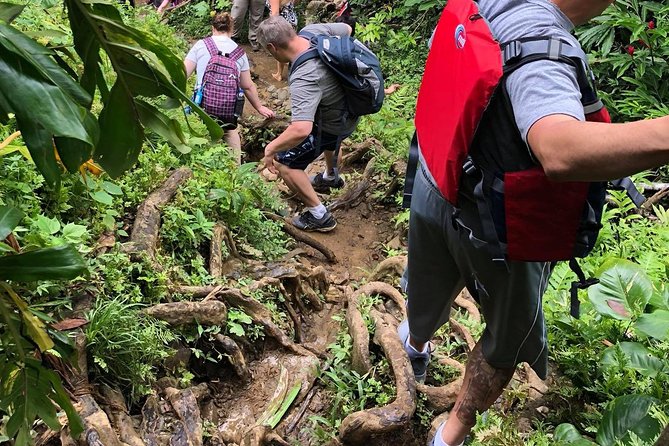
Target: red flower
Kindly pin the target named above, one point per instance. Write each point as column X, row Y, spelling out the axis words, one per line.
column 651, row 24
column 630, row 50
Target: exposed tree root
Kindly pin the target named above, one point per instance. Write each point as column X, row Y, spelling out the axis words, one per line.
column 359, row 426
column 97, row 429
column 445, row 360
column 463, row 332
column 262, row 316
column 118, row 413
column 536, row 387
column 235, row 356
column 358, row 151
column 185, row 404
column 441, row 398
column 152, row 422
column 144, row 235
column 354, row 195
column 206, row 312
column 384, row 289
column 360, row 360
column 220, row 235
column 392, row 266
column 396, row 173
column 469, row 306
column 300, row 236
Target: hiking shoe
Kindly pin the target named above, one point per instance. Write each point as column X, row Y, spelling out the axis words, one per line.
column 419, row 360
column 307, row 222
column 324, row 185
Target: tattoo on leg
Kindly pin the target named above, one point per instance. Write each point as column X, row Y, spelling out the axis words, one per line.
column 482, row 385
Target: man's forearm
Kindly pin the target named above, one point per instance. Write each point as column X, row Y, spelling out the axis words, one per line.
column 290, row 137
column 590, row 151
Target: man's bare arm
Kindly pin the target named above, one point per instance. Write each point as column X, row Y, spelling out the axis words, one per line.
column 572, row 150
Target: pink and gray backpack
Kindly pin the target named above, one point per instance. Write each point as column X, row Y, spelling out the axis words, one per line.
column 220, row 82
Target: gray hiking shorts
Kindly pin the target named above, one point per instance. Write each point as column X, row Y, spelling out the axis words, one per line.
column 444, row 257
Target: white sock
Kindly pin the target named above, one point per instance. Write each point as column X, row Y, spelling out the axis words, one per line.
column 326, row 176
column 317, row 211
column 425, row 349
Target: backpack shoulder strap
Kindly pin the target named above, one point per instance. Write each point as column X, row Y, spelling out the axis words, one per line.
column 211, row 46
column 237, row 53
column 311, row 53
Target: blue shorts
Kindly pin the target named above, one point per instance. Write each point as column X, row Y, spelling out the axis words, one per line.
column 300, row 156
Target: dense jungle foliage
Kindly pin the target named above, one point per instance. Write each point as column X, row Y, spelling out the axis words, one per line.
column 64, row 222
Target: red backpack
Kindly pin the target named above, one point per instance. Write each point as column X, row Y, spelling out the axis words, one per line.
column 220, row 83
column 466, row 132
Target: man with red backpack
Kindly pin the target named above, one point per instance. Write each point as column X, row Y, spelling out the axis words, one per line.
column 513, row 150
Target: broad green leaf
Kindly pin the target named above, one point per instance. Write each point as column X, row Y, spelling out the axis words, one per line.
column 287, row 401
column 40, row 145
column 9, row 219
column 73, row 152
column 567, row 434
column 10, row 11
column 41, row 58
column 121, row 134
column 629, row 413
column 637, row 357
column 56, row 263
column 623, row 290
column 112, row 188
column 170, row 129
column 74, row 232
column 35, row 327
column 47, row 225
column 102, row 197
column 660, row 299
column 655, row 324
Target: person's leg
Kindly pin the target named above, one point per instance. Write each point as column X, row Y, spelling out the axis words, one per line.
column 482, row 385
column 298, row 182
column 233, row 140
column 238, row 13
column 433, row 278
column 510, row 300
column 256, row 12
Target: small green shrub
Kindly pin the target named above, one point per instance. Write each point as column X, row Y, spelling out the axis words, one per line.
column 125, row 346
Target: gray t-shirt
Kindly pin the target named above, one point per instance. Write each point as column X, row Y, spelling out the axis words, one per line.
column 200, row 55
column 315, row 92
column 541, row 88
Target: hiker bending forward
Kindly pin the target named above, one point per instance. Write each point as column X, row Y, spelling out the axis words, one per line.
column 198, row 59
column 318, row 120
column 446, row 248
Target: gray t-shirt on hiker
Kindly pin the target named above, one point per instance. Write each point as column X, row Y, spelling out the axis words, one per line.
column 541, row 88
column 199, row 54
column 315, row 92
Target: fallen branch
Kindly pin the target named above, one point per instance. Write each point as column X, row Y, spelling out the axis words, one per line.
column 360, row 360
column 359, row 426
column 144, row 235
column 300, row 236
column 206, row 312
column 392, row 266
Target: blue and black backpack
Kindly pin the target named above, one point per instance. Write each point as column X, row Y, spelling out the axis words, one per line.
column 356, row 66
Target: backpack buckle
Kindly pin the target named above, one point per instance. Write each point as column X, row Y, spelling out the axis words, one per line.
column 512, row 51
column 469, row 166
